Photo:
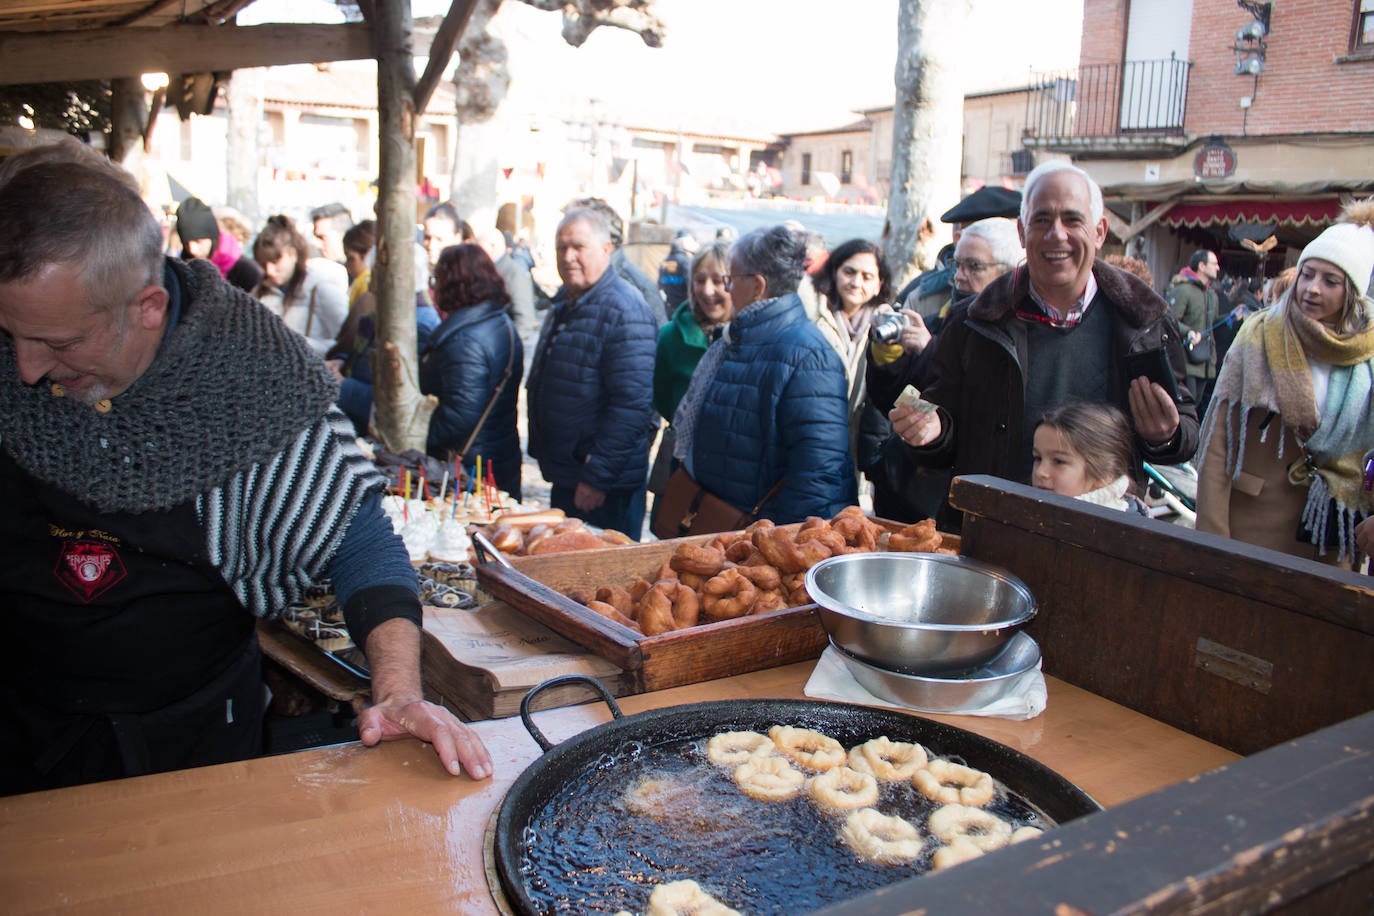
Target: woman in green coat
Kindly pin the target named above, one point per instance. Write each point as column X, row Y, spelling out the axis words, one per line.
column 683, row 341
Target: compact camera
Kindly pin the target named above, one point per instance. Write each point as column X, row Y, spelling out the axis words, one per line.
column 887, row 327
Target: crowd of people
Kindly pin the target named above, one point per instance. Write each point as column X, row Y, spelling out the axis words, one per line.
column 180, row 434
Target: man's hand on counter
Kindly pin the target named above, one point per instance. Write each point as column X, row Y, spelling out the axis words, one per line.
column 393, row 654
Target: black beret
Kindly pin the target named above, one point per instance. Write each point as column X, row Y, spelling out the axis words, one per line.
column 196, row 221
column 985, row 203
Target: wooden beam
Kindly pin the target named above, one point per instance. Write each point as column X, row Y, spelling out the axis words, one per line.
column 1146, row 221
column 48, row 57
column 441, row 51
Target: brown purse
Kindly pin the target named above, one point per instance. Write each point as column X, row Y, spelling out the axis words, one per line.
column 686, row 508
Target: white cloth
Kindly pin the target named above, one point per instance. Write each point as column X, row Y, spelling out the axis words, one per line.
column 1021, row 698
column 1112, row 496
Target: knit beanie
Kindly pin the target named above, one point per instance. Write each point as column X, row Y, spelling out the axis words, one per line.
column 196, row 221
column 1348, row 245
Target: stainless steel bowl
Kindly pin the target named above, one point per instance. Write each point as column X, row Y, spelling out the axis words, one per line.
column 935, row 694
column 919, row 613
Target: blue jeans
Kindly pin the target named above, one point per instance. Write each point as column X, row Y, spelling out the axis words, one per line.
column 622, row 511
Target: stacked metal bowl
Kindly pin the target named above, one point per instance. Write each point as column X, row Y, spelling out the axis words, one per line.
column 930, row 631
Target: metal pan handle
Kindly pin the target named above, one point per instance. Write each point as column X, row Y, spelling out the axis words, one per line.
column 544, row 743
column 486, row 552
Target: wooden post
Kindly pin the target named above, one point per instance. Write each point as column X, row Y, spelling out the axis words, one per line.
column 402, row 419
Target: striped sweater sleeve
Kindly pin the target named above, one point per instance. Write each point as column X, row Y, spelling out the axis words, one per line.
column 273, row 528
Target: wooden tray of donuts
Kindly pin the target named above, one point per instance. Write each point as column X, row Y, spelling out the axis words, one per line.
column 538, row 586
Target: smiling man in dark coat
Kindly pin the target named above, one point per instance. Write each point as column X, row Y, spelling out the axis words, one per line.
column 590, row 389
column 1056, row 330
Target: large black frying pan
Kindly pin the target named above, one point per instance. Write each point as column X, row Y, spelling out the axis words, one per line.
column 618, row 745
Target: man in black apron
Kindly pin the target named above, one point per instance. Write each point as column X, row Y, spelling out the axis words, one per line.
column 171, row 466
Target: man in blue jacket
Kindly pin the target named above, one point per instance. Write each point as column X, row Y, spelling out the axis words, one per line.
column 590, row 389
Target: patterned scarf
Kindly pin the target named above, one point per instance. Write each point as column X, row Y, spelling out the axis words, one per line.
column 1267, row 370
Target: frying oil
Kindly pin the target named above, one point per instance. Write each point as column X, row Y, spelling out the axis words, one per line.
column 665, row 813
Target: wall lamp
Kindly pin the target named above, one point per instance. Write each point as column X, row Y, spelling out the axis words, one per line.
column 1250, row 45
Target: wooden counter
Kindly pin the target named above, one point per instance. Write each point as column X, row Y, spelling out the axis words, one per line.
column 349, row 829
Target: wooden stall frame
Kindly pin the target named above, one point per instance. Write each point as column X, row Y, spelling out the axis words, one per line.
column 1230, row 642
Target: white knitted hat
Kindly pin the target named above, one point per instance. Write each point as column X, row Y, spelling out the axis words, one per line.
column 1348, row 245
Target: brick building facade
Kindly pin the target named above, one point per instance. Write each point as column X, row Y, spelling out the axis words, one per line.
column 1210, row 121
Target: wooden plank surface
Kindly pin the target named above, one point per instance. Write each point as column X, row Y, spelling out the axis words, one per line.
column 350, row 829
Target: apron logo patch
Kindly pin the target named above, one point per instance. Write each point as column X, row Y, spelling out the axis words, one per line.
column 89, row 568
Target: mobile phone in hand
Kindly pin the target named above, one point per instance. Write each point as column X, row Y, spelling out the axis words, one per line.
column 1154, row 365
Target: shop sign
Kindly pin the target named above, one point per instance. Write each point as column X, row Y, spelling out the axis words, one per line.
column 1215, row 160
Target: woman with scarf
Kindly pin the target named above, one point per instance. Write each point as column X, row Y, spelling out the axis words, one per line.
column 1291, row 433
column 765, row 412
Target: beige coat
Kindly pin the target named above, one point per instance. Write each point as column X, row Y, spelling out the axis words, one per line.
column 1259, row 506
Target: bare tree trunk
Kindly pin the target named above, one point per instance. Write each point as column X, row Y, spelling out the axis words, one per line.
column 243, row 99
column 927, row 130
column 402, row 412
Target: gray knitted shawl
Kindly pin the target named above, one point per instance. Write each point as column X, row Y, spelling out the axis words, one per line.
column 230, row 387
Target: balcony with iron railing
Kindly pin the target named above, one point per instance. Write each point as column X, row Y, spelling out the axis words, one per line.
column 1133, row 106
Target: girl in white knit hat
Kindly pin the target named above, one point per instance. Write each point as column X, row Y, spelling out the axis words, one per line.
column 1288, row 443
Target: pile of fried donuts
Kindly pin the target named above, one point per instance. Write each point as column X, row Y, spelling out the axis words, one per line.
column 789, row 762
column 530, row 534
column 754, row 571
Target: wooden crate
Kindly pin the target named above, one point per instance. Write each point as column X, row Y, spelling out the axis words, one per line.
column 536, row 585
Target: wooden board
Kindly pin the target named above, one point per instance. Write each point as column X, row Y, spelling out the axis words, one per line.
column 535, row 586
column 482, row 662
column 1242, row 646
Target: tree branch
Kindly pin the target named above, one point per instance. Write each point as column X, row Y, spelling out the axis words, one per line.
column 441, row 50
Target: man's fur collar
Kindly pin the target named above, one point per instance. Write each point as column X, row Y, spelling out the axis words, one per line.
column 1136, row 303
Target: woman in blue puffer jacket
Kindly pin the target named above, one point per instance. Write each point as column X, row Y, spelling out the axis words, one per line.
column 466, row 358
column 768, row 401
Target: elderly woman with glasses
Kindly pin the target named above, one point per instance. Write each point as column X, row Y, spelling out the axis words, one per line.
column 766, row 407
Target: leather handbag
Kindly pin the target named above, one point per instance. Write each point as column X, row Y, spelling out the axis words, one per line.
column 686, row 508
column 1199, row 351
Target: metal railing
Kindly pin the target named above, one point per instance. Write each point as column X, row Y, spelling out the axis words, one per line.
column 1109, row 100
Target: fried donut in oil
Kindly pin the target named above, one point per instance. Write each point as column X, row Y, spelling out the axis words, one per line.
column 890, row 761
column 880, row 838
column 954, row 822
column 843, row 789
column 951, row 783
column 728, row 595
column 669, row 605
column 735, row 748
column 685, row 898
column 807, row 747
column 959, row 851
column 698, row 560
column 768, row 778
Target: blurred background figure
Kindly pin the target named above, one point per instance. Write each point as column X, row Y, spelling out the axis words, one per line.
column 329, row 223
column 672, row 273
column 515, row 274
column 202, row 237
column 309, row 294
column 472, row 363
